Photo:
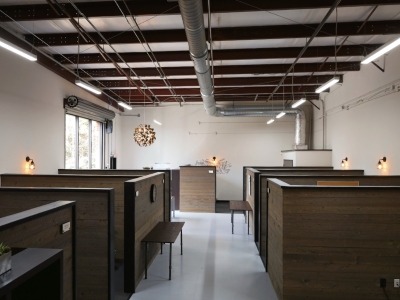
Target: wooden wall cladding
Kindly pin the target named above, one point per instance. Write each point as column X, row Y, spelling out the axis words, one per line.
column 81, row 181
column 275, row 168
column 167, row 187
column 197, row 189
column 40, row 228
column 141, row 215
column 337, row 242
column 95, row 232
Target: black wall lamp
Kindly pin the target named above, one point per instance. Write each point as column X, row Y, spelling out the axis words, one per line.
column 214, row 158
column 343, row 161
column 31, row 163
column 379, row 166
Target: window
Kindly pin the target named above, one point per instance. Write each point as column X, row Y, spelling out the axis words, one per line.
column 83, row 143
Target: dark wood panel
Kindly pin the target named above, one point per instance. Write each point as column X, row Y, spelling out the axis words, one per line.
column 95, row 231
column 197, row 189
column 337, row 242
column 167, row 187
column 42, row 230
column 82, row 181
column 141, row 215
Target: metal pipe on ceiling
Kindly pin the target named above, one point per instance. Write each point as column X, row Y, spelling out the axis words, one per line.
column 192, row 16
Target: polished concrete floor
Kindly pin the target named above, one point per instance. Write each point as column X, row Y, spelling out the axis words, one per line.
column 215, row 265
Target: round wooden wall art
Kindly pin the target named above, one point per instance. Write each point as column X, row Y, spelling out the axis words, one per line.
column 153, row 193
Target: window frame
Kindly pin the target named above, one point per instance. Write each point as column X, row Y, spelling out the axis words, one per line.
column 101, row 142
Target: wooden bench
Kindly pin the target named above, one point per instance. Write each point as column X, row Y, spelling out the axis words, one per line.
column 163, row 232
column 241, row 206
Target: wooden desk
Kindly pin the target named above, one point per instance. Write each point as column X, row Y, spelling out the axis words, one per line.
column 36, row 274
column 241, row 206
column 163, row 232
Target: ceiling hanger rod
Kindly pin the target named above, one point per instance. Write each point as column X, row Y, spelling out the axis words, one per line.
column 119, row 56
column 317, row 30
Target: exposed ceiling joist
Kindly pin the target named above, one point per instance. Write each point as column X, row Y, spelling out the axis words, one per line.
column 228, row 33
column 223, row 91
column 236, row 81
column 238, row 69
column 234, row 54
column 155, row 7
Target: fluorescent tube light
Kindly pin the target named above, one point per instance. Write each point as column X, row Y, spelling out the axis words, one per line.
column 381, row 50
column 155, row 121
column 88, row 87
column 299, row 102
column 270, row 121
column 327, row 85
column 280, row 115
column 124, row 105
column 17, row 50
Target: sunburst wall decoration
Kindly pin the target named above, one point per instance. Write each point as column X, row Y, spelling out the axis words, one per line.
column 222, row 165
column 144, row 135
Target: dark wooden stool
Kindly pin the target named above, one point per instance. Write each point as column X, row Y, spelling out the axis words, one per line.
column 241, row 206
column 163, row 232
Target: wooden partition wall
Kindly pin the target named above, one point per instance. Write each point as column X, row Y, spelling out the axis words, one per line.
column 254, row 199
column 333, row 242
column 141, row 215
column 95, row 232
column 274, row 168
column 40, row 228
column 167, row 179
column 81, row 181
column 198, row 188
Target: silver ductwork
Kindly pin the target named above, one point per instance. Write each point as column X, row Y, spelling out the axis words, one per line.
column 192, row 16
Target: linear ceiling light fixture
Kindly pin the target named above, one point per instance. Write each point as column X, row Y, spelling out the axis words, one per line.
column 88, row 87
column 270, row 121
column 124, row 105
column 17, row 50
column 280, row 115
column 381, row 50
column 155, row 121
column 299, row 102
column 327, row 85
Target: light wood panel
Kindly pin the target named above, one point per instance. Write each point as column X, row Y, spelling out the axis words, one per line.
column 338, row 183
column 141, row 215
column 139, row 172
column 81, row 181
column 95, row 232
column 42, row 230
column 197, row 189
column 337, row 242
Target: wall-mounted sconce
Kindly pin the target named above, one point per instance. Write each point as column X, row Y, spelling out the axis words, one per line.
column 214, row 160
column 31, row 164
column 343, row 161
column 379, row 166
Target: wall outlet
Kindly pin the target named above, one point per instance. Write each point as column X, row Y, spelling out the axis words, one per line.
column 397, row 283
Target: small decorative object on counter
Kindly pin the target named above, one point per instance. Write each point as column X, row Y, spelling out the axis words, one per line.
column 5, row 258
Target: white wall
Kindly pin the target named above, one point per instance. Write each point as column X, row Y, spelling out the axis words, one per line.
column 32, row 115
column 367, row 132
column 241, row 141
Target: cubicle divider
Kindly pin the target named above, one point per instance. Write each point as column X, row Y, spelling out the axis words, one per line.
column 334, row 242
column 144, row 208
column 81, row 181
column 274, row 168
column 253, row 178
column 167, row 187
column 40, row 228
column 198, row 188
column 94, row 237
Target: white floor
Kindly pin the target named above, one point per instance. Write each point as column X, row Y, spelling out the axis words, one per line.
column 215, row 264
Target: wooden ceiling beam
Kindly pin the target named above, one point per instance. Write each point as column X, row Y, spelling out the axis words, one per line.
column 234, row 81
column 234, row 54
column 228, row 33
column 235, row 69
column 156, row 7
